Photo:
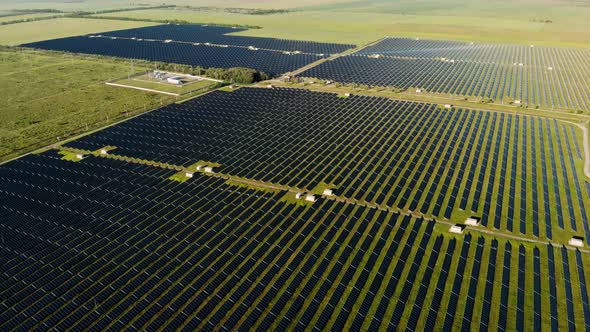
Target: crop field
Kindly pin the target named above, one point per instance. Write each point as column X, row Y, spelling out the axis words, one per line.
column 21, row 33
column 520, row 174
column 107, row 244
column 361, row 22
column 47, row 97
column 196, row 46
column 554, row 78
column 12, row 18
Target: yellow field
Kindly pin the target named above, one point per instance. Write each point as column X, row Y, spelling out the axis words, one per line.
column 363, row 27
column 27, row 17
column 15, row 34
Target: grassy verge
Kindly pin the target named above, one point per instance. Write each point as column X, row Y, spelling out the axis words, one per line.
column 47, row 97
column 21, row 33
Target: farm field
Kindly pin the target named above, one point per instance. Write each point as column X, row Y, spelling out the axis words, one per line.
column 9, row 5
column 533, row 76
column 44, row 96
column 203, row 254
column 12, row 18
column 196, row 46
column 520, row 174
column 355, row 25
column 28, row 32
column 95, row 5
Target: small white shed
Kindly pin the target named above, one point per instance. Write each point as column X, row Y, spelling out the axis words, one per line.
column 576, row 241
column 174, row 80
column 310, row 198
column 472, row 221
column 457, row 229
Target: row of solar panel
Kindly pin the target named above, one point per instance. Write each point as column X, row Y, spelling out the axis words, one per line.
column 270, row 62
column 301, row 138
column 232, row 258
column 224, row 36
column 486, row 71
column 474, row 52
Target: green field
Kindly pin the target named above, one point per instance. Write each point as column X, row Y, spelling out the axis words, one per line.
column 7, row 5
column 545, row 23
column 44, row 96
column 10, row 5
column 28, row 32
column 11, row 18
column 360, row 25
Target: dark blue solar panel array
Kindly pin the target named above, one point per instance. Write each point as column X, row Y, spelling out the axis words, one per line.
column 221, row 36
column 583, row 215
column 378, row 318
column 424, row 284
column 523, row 181
column 553, row 304
column 270, row 62
column 301, row 138
column 102, row 244
column 568, row 290
column 576, row 144
column 583, row 289
column 504, row 293
column 188, row 47
column 545, row 181
column 479, row 184
column 440, row 286
column 533, row 75
column 409, row 282
column 473, row 281
column 564, row 178
column 489, row 287
column 520, row 296
column 456, row 290
column 537, row 318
